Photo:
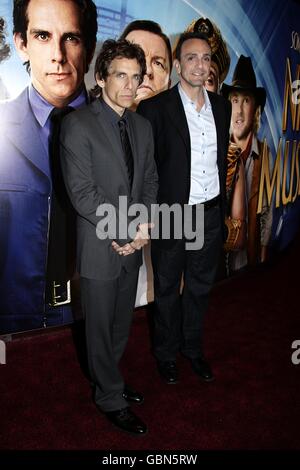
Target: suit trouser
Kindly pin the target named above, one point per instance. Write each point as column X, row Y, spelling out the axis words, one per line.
column 178, row 320
column 108, row 309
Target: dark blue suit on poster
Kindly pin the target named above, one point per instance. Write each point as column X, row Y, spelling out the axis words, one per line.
column 25, row 196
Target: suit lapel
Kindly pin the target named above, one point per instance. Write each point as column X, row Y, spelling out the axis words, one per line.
column 219, row 123
column 23, row 132
column 177, row 116
column 113, row 145
column 133, row 133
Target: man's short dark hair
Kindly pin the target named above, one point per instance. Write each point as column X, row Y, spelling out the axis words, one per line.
column 184, row 37
column 151, row 27
column 4, row 48
column 88, row 23
column 119, row 49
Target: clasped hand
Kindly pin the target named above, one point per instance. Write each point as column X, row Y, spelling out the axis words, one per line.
column 141, row 239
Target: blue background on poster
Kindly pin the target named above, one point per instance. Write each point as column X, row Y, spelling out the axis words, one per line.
column 261, row 30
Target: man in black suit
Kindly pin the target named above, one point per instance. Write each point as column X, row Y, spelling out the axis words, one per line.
column 107, row 153
column 191, row 132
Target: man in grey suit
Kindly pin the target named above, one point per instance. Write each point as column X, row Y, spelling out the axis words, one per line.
column 107, row 153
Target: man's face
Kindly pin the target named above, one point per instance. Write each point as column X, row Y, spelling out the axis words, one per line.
column 120, row 86
column 55, row 49
column 243, row 112
column 212, row 83
column 194, row 64
column 157, row 78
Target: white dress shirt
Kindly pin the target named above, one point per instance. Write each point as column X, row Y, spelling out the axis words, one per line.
column 204, row 170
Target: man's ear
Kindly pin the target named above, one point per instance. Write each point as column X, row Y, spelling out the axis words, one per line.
column 21, row 47
column 100, row 81
column 177, row 66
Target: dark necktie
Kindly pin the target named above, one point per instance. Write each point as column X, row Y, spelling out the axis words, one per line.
column 126, row 150
column 61, row 242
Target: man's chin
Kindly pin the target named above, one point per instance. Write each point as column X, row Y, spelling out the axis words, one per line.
column 240, row 134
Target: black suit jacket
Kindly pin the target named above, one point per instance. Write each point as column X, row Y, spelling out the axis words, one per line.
column 95, row 174
column 173, row 148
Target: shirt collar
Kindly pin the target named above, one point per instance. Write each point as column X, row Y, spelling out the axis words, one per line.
column 41, row 108
column 251, row 150
column 255, row 149
column 187, row 100
column 112, row 115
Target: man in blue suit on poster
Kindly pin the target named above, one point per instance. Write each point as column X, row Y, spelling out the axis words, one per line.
column 56, row 41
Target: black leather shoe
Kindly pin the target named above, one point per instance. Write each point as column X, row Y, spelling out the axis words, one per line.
column 132, row 396
column 127, row 421
column 169, row 372
column 203, row 369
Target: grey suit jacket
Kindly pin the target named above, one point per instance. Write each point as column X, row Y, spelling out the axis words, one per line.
column 95, row 174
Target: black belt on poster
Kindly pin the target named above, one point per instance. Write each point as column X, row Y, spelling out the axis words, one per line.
column 58, row 293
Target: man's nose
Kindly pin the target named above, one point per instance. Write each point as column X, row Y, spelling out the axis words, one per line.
column 58, row 53
column 240, row 108
column 200, row 61
column 129, row 84
column 149, row 70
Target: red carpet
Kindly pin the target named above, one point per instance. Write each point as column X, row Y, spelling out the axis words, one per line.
column 45, row 399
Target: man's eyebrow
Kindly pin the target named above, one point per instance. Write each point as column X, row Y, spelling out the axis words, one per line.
column 76, row 33
column 195, row 54
column 189, row 54
column 160, row 57
column 38, row 31
column 117, row 71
